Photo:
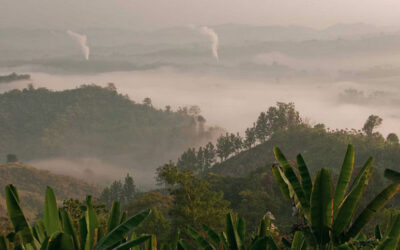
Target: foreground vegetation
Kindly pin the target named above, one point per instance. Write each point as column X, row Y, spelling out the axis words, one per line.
column 328, row 216
column 31, row 183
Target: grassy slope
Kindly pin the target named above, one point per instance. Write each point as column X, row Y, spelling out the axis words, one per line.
column 32, row 182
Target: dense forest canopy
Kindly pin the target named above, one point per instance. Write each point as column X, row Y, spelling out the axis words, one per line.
column 91, row 121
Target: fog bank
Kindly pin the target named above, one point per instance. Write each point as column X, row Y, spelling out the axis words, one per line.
column 235, row 103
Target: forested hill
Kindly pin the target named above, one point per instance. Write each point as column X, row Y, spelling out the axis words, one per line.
column 319, row 147
column 32, row 182
column 92, row 121
column 242, row 165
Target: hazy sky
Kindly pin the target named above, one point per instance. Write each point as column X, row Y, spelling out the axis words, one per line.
column 137, row 14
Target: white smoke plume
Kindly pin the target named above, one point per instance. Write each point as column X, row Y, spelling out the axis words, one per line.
column 214, row 39
column 82, row 40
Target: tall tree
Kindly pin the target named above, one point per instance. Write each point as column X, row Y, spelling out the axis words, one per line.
column 261, row 129
column 188, row 160
column 225, row 147
column 237, row 142
column 250, row 137
column 392, row 138
column 209, row 155
column 372, row 123
column 129, row 190
column 194, row 203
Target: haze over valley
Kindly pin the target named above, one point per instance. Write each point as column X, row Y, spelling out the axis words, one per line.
column 222, row 124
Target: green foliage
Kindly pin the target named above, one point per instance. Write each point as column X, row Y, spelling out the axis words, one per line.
column 392, row 138
column 278, row 118
column 330, row 217
column 228, row 144
column 197, row 160
column 58, row 231
column 159, row 221
column 118, row 191
column 372, row 122
column 194, row 203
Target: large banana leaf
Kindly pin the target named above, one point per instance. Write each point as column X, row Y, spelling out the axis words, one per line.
column 212, row 235
column 350, row 204
column 4, row 243
column 281, row 182
column 60, row 241
column 241, row 229
column 292, row 179
column 51, row 218
column 185, row 246
column 306, row 182
column 124, row 216
column 393, row 237
column 16, row 215
column 298, row 241
column 198, row 239
column 175, row 239
column 91, row 223
column 260, row 243
column 367, row 167
column 133, row 243
column 114, row 219
column 82, row 232
column 119, row 233
column 378, row 233
column 373, row 207
column 344, row 177
column 152, row 243
column 321, row 206
column 262, row 228
column 392, row 175
column 233, row 236
column 39, row 231
column 69, row 228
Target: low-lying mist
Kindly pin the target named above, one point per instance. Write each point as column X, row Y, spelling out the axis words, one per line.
column 235, row 103
column 95, row 171
column 231, row 103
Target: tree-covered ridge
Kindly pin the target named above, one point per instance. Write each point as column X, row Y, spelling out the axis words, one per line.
column 14, row 77
column 245, row 176
column 239, row 155
column 32, row 182
column 95, row 121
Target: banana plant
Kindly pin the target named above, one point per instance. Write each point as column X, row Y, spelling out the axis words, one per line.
column 328, row 212
column 57, row 231
column 233, row 238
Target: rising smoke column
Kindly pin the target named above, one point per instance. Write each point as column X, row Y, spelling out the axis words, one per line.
column 213, row 37
column 82, row 40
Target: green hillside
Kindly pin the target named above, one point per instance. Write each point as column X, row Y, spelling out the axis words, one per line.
column 320, row 148
column 242, row 166
column 32, row 183
column 247, row 176
column 92, row 121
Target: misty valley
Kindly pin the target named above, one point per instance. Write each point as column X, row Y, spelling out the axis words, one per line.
column 232, row 136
